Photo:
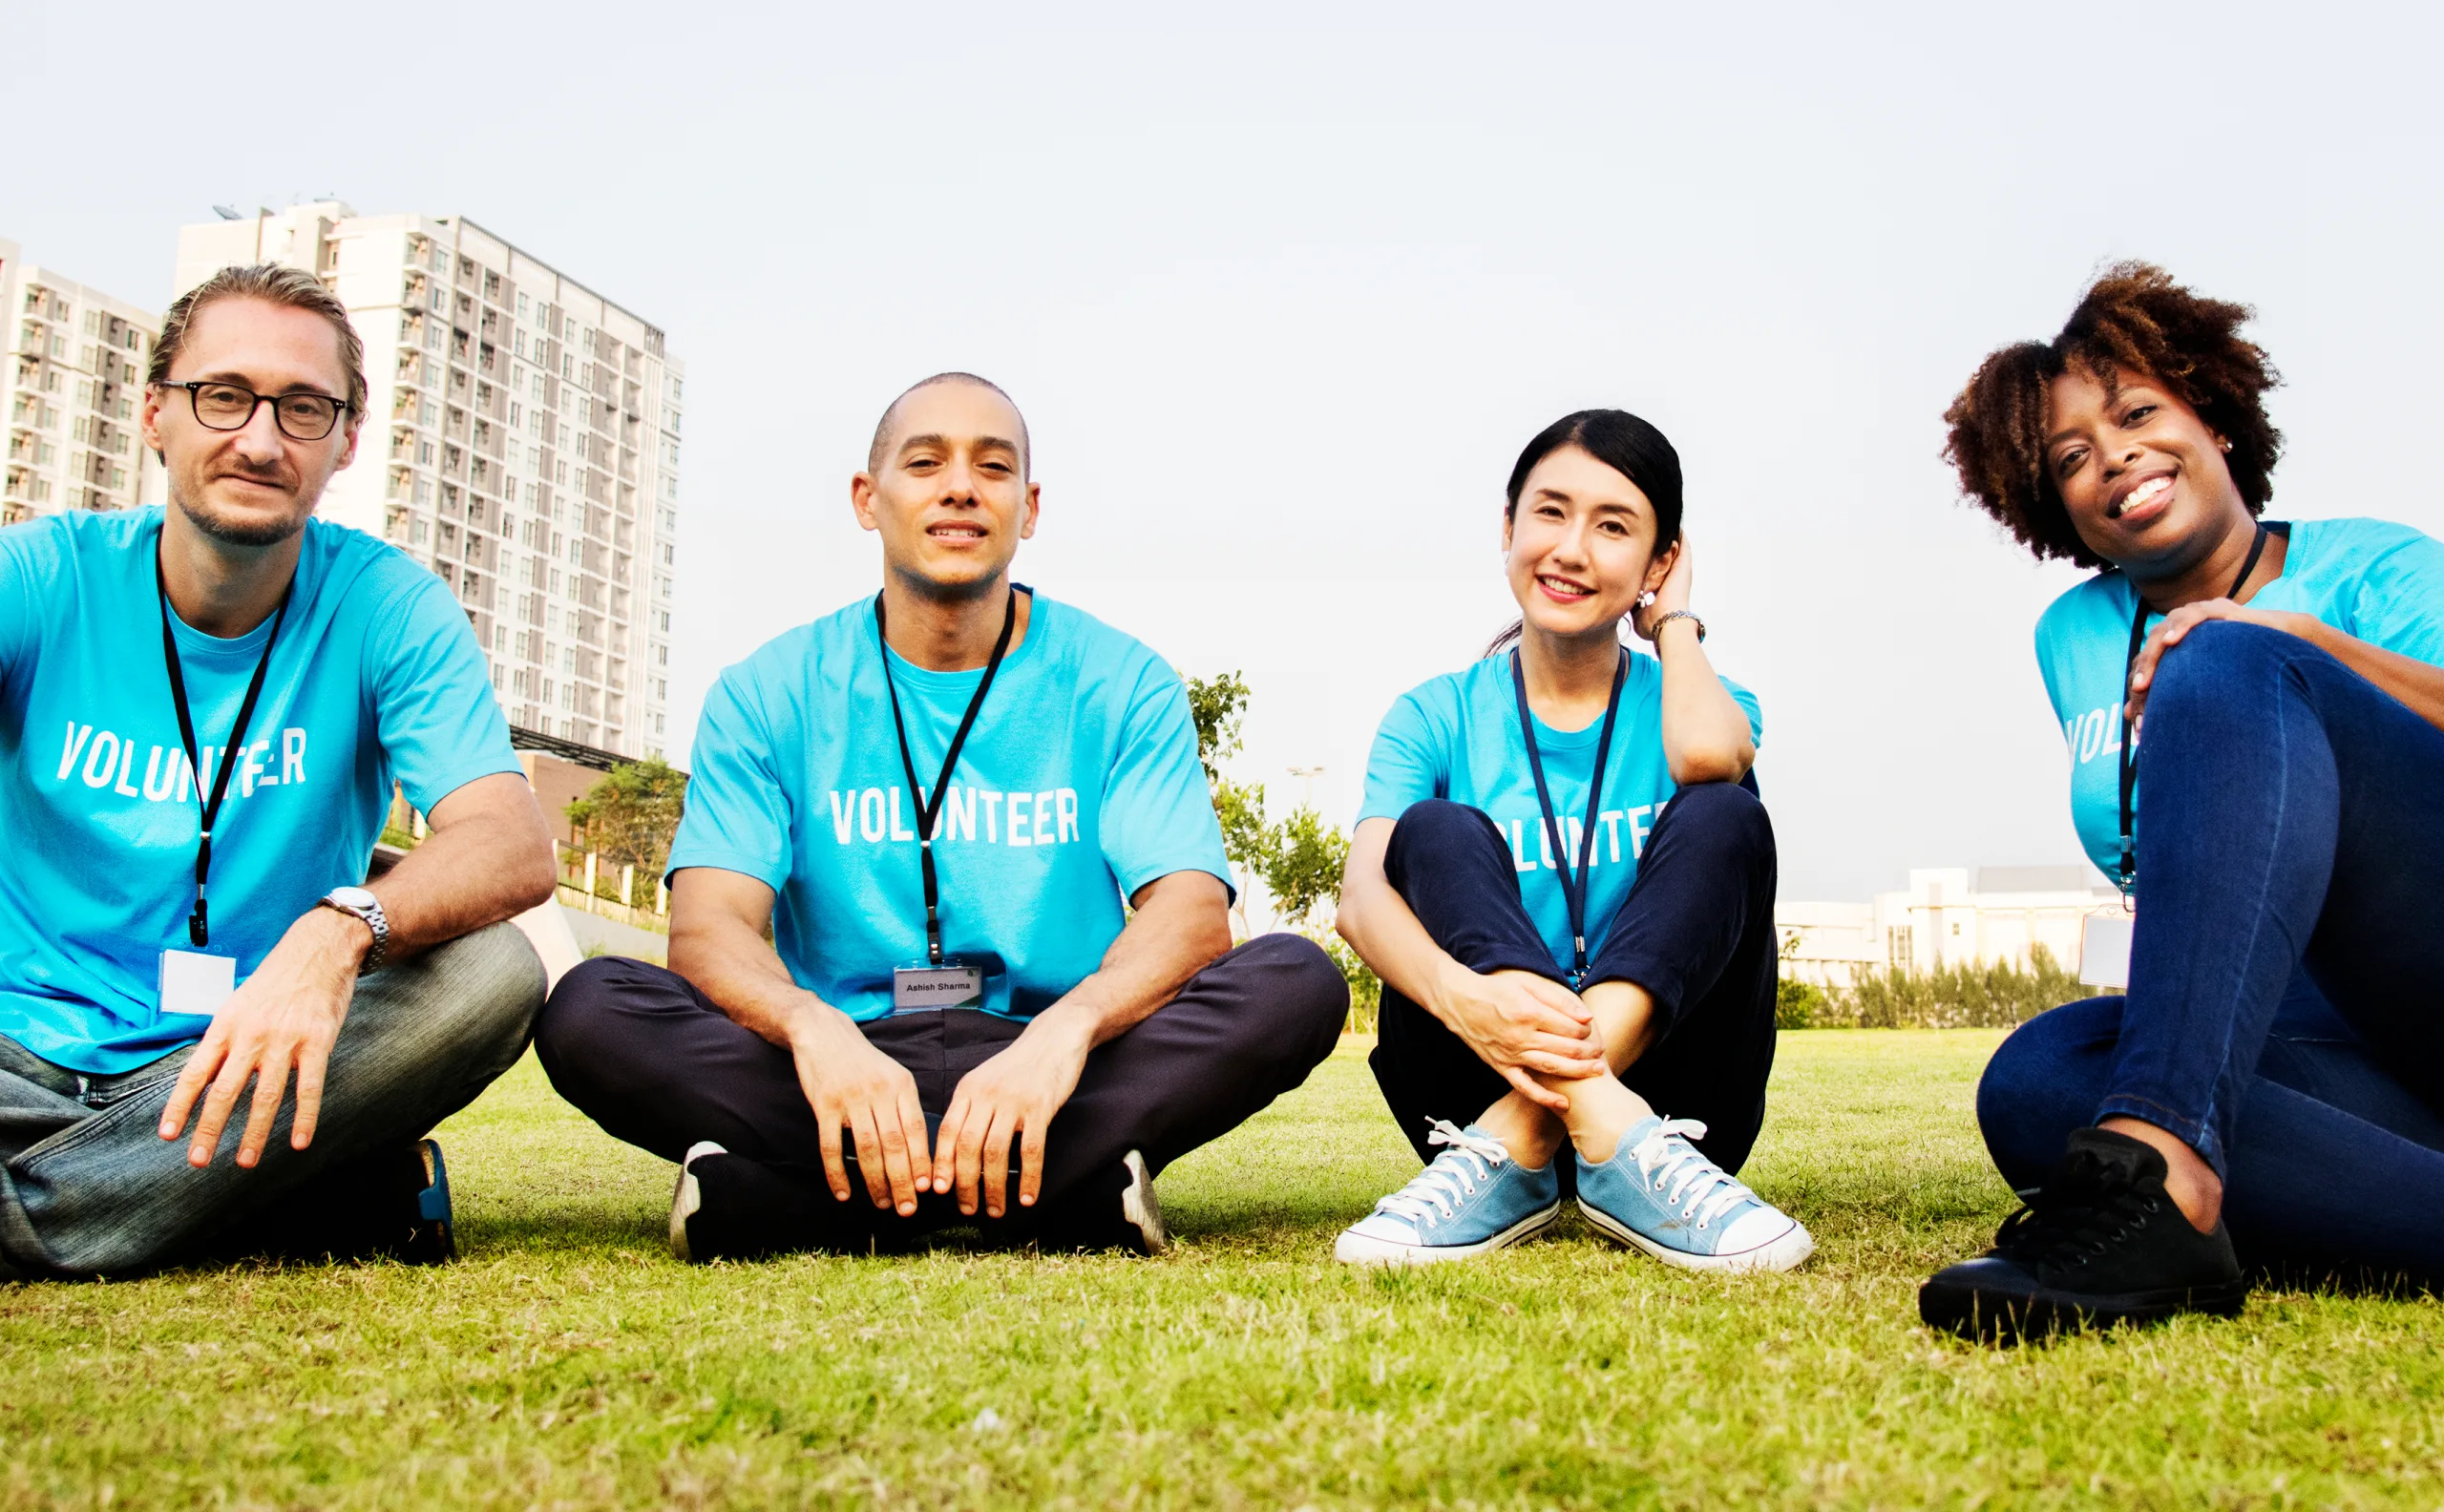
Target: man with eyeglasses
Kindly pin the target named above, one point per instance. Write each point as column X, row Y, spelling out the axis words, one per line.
column 948, row 910
column 203, row 709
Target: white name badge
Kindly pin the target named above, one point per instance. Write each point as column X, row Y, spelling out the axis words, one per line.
column 193, row 982
column 923, row 989
column 2104, row 949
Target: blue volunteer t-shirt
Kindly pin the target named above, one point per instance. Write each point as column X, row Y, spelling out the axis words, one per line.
column 376, row 677
column 2370, row 580
column 1079, row 785
column 1457, row 737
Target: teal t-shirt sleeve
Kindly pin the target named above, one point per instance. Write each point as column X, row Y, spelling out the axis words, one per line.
column 737, row 813
column 1410, row 761
column 435, row 713
column 21, row 581
column 1157, row 815
column 2398, row 599
column 1749, row 707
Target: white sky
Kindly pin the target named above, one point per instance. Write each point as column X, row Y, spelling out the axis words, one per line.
column 1282, row 298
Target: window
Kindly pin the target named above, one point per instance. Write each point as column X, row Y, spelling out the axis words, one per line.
column 522, row 303
column 1897, row 947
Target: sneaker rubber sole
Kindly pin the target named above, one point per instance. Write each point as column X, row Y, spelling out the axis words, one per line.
column 1987, row 1315
column 687, row 1198
column 1357, row 1248
column 1784, row 1252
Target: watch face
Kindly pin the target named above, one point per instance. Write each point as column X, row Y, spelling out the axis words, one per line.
column 355, row 898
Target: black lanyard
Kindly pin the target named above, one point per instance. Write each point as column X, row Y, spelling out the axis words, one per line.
column 1573, row 883
column 2129, row 746
column 931, row 807
column 198, row 924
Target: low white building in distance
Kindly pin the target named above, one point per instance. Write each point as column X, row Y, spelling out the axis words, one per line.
column 71, row 388
column 1945, row 917
column 523, row 443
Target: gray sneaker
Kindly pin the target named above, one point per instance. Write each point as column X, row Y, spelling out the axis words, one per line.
column 1139, row 1207
column 687, row 1198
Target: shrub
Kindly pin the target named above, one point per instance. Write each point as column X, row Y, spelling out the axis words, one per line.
column 1366, row 990
column 1801, row 1005
column 1997, row 997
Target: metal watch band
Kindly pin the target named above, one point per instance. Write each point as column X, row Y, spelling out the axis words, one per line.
column 1655, row 630
column 374, row 919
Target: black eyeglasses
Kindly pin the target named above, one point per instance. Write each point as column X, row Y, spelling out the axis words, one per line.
column 226, row 406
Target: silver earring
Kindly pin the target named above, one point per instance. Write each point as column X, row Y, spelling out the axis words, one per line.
column 2227, row 446
column 1646, row 599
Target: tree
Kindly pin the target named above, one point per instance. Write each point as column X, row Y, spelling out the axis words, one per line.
column 1300, row 859
column 632, row 814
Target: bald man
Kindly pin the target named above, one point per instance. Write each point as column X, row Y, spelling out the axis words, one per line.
column 905, row 992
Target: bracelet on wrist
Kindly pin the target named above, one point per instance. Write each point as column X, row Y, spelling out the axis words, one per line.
column 1654, row 631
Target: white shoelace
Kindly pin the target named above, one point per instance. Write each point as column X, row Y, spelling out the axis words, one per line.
column 1696, row 1185
column 1470, row 1159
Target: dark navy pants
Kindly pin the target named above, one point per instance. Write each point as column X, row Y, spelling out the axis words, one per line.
column 652, row 1061
column 2286, row 1012
column 1696, row 931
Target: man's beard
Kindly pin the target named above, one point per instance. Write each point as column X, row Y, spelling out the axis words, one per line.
column 935, row 591
column 230, row 530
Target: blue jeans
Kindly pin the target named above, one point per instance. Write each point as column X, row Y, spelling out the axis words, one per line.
column 89, row 1188
column 2286, row 1012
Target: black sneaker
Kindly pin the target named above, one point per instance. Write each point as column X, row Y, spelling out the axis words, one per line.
column 730, row 1207
column 2101, row 1243
column 1116, row 1210
column 393, row 1205
column 433, row 1236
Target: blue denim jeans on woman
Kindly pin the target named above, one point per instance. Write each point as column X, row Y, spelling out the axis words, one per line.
column 2285, row 1011
column 89, row 1188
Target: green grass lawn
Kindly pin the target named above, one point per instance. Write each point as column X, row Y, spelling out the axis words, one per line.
column 565, row 1361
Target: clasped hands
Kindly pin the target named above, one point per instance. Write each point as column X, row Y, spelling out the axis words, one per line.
column 1518, row 1023
column 1010, row 1098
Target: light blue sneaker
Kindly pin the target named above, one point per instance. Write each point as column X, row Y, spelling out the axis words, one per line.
column 1472, row 1199
column 1658, row 1194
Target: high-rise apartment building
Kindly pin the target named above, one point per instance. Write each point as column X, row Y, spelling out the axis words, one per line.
column 523, row 442
column 72, row 383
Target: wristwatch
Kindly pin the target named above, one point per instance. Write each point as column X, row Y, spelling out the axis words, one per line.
column 357, row 903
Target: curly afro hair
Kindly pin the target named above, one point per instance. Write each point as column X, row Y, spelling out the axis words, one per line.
column 2133, row 320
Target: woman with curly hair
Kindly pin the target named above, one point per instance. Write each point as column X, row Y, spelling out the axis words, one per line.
column 2269, row 1092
